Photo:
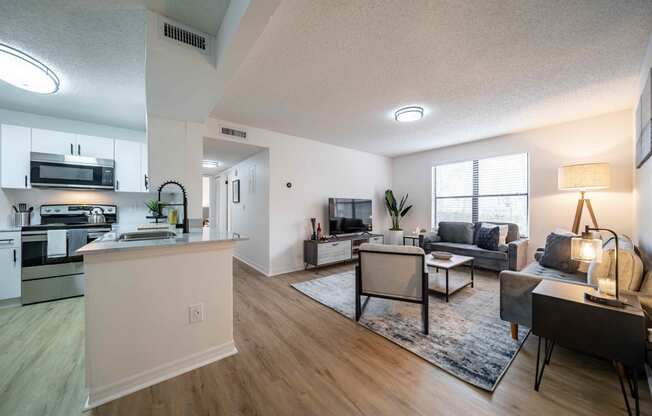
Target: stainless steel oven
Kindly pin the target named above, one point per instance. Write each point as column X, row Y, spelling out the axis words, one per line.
column 71, row 171
column 48, row 275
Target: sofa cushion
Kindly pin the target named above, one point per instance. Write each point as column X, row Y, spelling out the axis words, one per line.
column 456, row 232
column 545, row 272
column 489, row 238
column 557, row 253
column 470, row 250
column 513, row 232
column 502, row 240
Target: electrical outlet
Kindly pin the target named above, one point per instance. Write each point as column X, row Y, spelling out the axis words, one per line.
column 196, row 313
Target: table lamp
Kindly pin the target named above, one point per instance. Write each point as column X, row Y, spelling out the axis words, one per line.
column 583, row 177
column 586, row 249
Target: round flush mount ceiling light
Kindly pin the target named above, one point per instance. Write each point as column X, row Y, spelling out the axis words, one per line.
column 25, row 72
column 210, row 164
column 408, row 114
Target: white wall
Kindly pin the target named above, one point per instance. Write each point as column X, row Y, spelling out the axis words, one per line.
column 250, row 217
column 131, row 208
column 643, row 177
column 316, row 171
column 175, row 153
column 605, row 138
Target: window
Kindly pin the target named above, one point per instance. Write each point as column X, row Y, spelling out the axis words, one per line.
column 492, row 189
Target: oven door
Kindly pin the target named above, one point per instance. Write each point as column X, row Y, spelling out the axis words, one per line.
column 69, row 171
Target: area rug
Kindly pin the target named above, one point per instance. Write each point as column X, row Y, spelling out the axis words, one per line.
column 467, row 337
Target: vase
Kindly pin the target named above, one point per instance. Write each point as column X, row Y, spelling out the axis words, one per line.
column 395, row 237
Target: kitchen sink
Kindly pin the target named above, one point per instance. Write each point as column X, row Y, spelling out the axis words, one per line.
column 146, row 235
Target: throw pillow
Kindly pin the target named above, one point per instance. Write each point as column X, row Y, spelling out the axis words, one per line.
column 488, row 238
column 503, row 231
column 557, row 254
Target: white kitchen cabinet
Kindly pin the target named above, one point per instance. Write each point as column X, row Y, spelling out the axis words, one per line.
column 128, row 173
column 56, row 142
column 9, row 265
column 144, row 167
column 92, row 146
column 14, row 156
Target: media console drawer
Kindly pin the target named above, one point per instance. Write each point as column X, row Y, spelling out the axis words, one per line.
column 376, row 240
column 333, row 252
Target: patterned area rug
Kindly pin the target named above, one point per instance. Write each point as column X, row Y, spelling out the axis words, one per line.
column 467, row 337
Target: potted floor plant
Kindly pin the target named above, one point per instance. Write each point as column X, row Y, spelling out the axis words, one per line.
column 396, row 212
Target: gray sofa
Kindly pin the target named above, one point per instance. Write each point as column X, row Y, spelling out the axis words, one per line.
column 461, row 238
column 516, row 286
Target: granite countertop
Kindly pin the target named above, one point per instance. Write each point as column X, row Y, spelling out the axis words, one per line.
column 109, row 241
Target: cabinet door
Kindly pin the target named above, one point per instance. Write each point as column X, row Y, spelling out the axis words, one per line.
column 98, row 147
column 128, row 175
column 56, row 142
column 9, row 270
column 144, row 167
column 14, row 156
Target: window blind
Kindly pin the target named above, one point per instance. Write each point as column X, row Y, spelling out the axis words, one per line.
column 490, row 189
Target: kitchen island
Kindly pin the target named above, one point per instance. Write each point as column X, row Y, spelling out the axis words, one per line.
column 155, row 309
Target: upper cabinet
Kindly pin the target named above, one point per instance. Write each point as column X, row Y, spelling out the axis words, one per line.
column 97, row 147
column 16, row 143
column 14, row 156
column 130, row 166
column 57, row 142
column 60, row 143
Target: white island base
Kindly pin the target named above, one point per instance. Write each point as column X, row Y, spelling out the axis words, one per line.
column 138, row 300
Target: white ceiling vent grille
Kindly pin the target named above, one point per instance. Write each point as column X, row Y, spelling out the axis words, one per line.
column 183, row 35
column 238, row 134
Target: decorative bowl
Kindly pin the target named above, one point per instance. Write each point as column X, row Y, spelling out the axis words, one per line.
column 441, row 255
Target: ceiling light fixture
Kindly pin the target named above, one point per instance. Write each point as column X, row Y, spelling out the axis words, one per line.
column 210, row 164
column 22, row 71
column 408, row 114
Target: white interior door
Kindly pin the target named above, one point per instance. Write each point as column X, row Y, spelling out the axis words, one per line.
column 56, row 142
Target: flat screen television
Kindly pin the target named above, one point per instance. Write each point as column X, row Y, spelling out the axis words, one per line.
column 347, row 216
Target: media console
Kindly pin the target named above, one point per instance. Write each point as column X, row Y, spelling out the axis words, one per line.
column 337, row 249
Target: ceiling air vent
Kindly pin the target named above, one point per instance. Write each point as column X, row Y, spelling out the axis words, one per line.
column 185, row 35
column 226, row 131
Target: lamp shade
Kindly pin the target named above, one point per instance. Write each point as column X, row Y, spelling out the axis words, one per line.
column 586, row 249
column 583, row 177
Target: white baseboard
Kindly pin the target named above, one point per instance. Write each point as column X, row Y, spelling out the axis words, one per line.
column 287, row 270
column 10, row 303
column 148, row 378
column 252, row 264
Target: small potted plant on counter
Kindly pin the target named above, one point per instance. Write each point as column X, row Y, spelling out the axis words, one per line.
column 396, row 212
column 155, row 207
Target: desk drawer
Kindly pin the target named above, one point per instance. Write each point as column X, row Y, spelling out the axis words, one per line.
column 376, row 240
column 332, row 252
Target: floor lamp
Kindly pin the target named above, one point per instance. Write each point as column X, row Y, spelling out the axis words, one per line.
column 583, row 177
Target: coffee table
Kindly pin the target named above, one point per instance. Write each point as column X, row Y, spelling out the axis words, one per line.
column 455, row 261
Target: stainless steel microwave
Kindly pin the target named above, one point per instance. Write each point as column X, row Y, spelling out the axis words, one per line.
column 71, row 171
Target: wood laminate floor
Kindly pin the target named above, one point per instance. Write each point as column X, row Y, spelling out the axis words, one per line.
column 296, row 357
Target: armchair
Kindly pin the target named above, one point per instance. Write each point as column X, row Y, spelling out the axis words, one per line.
column 392, row 272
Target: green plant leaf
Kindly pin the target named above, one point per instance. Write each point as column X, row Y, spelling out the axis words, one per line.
column 405, row 211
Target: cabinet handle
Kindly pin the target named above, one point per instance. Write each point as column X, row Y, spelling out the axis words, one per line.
column 72, row 151
column 7, row 240
column 14, row 256
column 146, row 183
column 25, row 181
column 334, row 244
column 117, row 185
column 79, row 149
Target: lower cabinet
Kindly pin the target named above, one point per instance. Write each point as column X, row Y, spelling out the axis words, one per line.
column 9, row 265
